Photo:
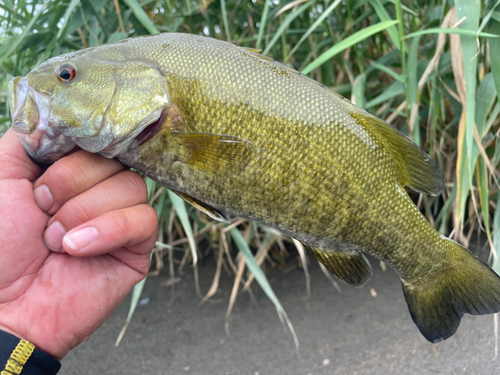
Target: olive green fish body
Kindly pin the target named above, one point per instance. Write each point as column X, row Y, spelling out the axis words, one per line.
column 313, row 172
column 236, row 133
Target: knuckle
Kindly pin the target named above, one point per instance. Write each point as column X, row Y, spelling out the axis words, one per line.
column 148, row 220
column 80, row 210
column 122, row 223
column 135, row 184
column 66, row 175
column 136, row 224
column 150, row 217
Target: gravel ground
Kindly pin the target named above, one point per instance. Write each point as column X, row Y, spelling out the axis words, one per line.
column 359, row 331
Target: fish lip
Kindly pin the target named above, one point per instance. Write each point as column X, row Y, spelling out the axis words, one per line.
column 46, row 149
column 41, row 141
column 13, row 84
column 19, row 93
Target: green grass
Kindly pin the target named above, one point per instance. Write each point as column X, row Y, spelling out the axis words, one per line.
column 416, row 64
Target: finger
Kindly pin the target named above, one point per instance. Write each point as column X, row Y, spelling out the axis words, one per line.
column 14, row 161
column 122, row 190
column 70, row 176
column 134, row 228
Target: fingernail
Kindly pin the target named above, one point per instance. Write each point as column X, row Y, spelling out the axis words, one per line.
column 43, row 198
column 81, row 238
column 53, row 236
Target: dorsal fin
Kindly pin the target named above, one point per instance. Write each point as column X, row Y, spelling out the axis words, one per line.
column 251, row 49
column 417, row 169
column 257, row 53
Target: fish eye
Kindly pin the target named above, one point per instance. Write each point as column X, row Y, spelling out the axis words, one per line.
column 66, row 72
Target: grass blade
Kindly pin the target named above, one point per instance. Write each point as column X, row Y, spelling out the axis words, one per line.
column 412, row 91
column 141, row 15
column 313, row 27
column 471, row 10
column 260, row 276
column 117, row 36
column 496, row 235
column 394, row 89
column 224, row 19
column 263, row 21
column 482, row 185
column 494, row 52
column 384, row 16
column 67, row 14
column 405, row 8
column 8, row 48
column 386, row 70
column 303, row 259
column 486, row 18
column 463, row 32
column 484, row 101
column 180, row 209
column 284, row 25
column 346, row 43
column 136, row 295
column 358, row 91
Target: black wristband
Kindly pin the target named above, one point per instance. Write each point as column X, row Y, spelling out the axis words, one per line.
column 22, row 357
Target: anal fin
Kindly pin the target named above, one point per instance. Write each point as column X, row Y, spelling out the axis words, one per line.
column 351, row 266
column 210, row 211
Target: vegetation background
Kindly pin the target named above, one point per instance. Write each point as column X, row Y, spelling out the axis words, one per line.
column 430, row 68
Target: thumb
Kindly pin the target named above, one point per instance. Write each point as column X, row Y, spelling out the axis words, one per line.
column 14, row 161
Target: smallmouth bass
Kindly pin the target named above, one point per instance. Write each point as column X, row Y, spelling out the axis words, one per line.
column 236, row 133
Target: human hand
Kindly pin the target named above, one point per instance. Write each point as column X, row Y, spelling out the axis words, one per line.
column 55, row 291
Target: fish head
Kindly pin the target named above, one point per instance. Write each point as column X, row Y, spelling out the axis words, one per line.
column 95, row 99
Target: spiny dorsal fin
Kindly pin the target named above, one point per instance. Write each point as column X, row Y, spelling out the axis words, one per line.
column 256, row 53
column 210, row 211
column 251, row 49
column 211, row 153
column 417, row 169
column 349, row 266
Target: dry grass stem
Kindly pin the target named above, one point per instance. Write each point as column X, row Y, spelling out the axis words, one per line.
column 304, row 260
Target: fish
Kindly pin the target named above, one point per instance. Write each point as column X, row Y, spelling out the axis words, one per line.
column 236, row 133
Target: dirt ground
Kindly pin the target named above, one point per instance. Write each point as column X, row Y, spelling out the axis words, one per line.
column 359, row 331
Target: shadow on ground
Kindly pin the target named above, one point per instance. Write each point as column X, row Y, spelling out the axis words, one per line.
column 348, row 333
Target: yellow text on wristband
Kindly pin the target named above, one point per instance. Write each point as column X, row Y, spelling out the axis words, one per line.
column 18, row 358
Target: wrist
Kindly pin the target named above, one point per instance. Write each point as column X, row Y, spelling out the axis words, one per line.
column 55, row 354
column 18, row 356
column 13, row 333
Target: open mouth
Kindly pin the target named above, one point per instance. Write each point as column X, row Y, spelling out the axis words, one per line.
column 30, row 108
column 154, row 128
column 30, row 119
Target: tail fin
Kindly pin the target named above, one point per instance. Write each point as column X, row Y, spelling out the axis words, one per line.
column 467, row 286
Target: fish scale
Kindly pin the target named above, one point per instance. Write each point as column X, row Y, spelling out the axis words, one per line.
column 236, row 133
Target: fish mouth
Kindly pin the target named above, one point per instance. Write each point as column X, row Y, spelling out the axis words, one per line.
column 47, row 140
column 146, row 129
column 152, row 129
column 30, row 119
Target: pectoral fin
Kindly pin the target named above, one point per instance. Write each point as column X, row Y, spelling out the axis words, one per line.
column 349, row 266
column 210, row 211
column 211, row 153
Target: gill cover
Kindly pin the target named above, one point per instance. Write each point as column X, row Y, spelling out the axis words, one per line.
column 102, row 108
column 139, row 97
